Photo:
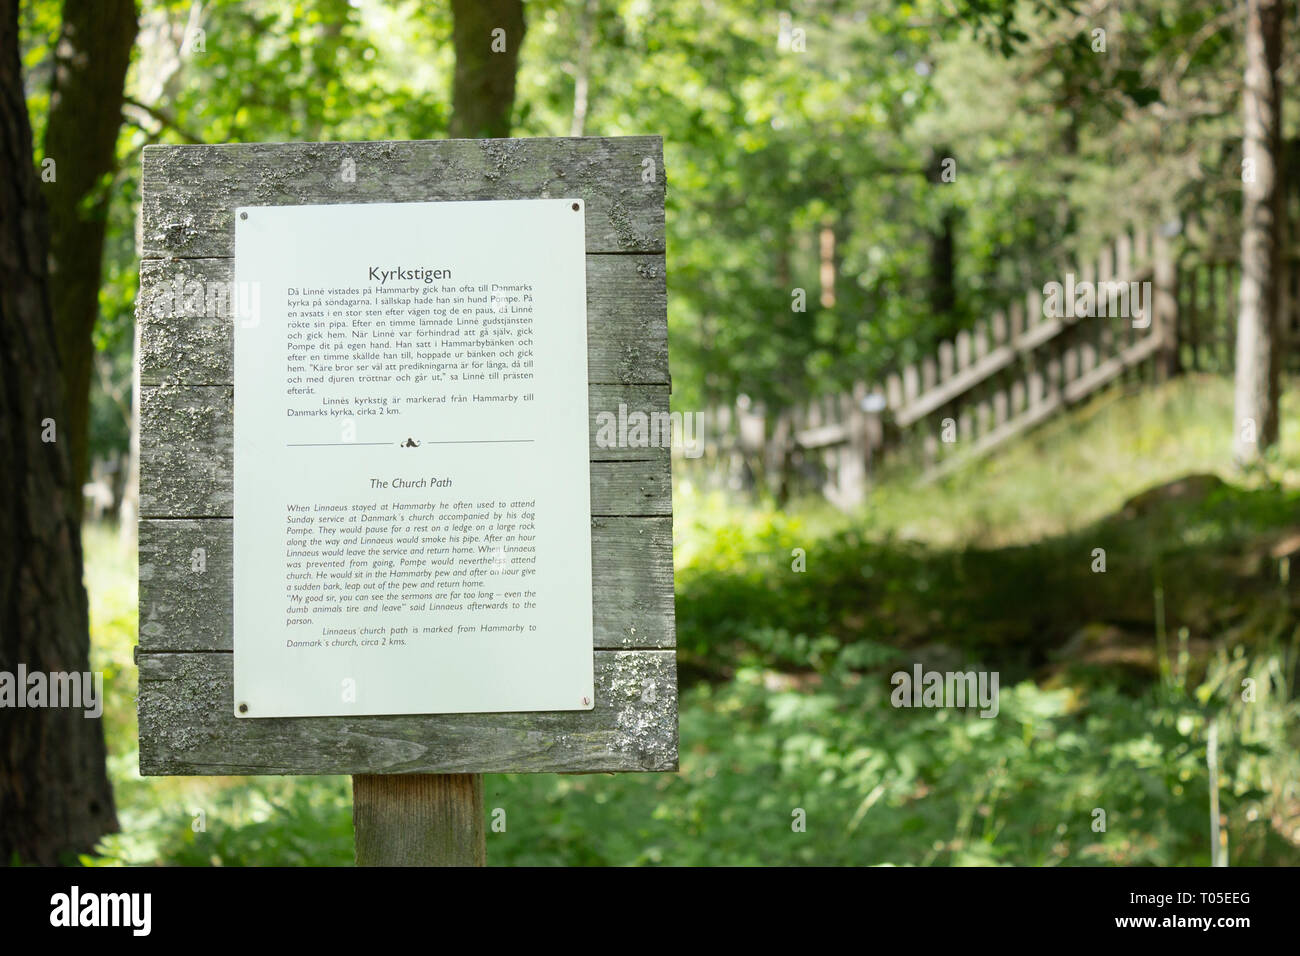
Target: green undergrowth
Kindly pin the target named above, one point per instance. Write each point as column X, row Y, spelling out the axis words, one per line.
column 791, row 623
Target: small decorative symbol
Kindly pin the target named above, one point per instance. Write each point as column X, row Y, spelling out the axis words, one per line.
column 410, row 443
column 586, row 701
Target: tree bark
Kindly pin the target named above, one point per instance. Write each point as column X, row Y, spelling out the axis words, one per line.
column 55, row 798
column 1258, row 320
column 90, row 61
column 483, row 88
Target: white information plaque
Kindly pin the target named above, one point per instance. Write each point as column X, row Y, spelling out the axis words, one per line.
column 412, row 501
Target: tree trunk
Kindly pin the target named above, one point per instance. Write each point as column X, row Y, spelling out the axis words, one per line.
column 90, row 61
column 487, row 35
column 582, row 68
column 55, row 798
column 1258, row 321
column 943, row 253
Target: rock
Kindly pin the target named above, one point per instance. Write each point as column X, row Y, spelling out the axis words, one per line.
column 1189, row 488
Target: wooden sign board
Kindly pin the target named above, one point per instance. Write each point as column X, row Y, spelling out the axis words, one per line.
column 187, row 312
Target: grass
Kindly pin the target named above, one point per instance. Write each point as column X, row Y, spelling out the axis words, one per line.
column 790, row 749
column 1077, row 469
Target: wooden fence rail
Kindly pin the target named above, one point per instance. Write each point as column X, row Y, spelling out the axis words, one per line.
column 985, row 386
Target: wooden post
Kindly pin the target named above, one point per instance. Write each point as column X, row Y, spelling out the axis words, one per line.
column 1087, row 331
column 1214, row 327
column 1165, row 307
column 751, row 431
column 419, row 819
column 779, row 455
column 855, row 460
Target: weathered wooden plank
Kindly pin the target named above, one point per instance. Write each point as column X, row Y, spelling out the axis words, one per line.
column 1123, row 262
column 1033, row 308
column 186, row 599
column 1089, row 326
column 911, row 383
column 966, row 425
column 1018, row 391
column 1054, row 376
column 1189, row 310
column 189, row 193
column 1141, row 245
column 947, row 362
column 855, row 459
column 822, row 436
column 1016, row 321
column 774, row 452
column 186, row 330
column 620, row 403
column 998, row 328
column 641, row 487
column 1045, row 329
column 929, row 373
column 187, row 441
column 187, row 726
column 894, row 392
column 1164, row 305
column 963, row 381
column 1092, row 379
column 419, row 819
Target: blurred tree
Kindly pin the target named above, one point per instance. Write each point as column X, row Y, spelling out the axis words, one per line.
column 487, row 35
column 90, row 61
column 55, row 798
column 1259, row 320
